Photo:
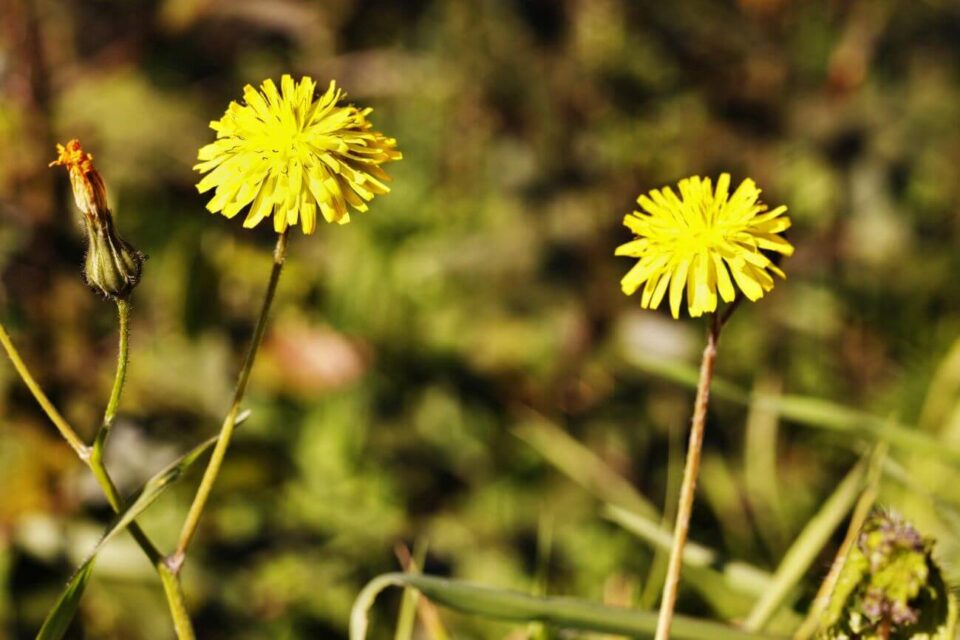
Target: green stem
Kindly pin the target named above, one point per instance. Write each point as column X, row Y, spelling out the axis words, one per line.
column 95, row 462
column 93, row 456
column 110, row 413
column 123, row 356
column 173, row 593
column 178, row 608
column 689, row 484
column 175, row 561
column 58, row 421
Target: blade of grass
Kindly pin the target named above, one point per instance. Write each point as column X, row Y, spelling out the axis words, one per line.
column 661, row 555
column 760, row 469
column 942, row 391
column 741, row 576
column 723, row 492
column 581, row 465
column 730, row 587
column 808, row 545
column 814, row 412
column 541, row 576
column 62, row 613
column 585, row 468
column 860, row 513
column 513, row 606
column 946, row 511
column 408, row 608
column 687, row 375
column 427, row 613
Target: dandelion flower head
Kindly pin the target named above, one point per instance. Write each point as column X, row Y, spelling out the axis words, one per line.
column 292, row 153
column 702, row 243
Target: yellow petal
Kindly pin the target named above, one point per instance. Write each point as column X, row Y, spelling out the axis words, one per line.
column 678, row 283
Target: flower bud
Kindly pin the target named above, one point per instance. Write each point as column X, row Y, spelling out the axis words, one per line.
column 112, row 266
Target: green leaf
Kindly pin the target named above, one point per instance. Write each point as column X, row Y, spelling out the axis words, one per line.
column 60, row 616
column 514, row 606
column 890, row 587
column 408, row 609
column 153, row 489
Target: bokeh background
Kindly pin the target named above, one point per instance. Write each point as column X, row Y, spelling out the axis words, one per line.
column 457, row 369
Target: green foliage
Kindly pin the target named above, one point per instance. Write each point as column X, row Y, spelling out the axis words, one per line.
column 405, row 347
column 63, row 611
column 890, row 587
column 565, row 613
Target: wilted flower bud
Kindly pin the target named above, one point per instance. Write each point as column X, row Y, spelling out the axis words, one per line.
column 112, row 266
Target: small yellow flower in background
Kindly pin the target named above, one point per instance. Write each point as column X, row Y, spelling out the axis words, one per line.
column 703, row 242
column 112, row 266
column 291, row 154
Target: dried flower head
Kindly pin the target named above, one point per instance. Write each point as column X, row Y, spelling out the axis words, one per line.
column 289, row 152
column 111, row 266
column 703, row 241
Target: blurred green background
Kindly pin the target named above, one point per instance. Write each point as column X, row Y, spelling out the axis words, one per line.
column 425, row 361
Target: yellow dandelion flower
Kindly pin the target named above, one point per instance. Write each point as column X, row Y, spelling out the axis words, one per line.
column 289, row 153
column 697, row 241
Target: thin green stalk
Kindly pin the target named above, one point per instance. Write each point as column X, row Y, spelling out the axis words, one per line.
column 93, row 456
column 175, row 561
column 110, row 413
column 123, row 356
column 171, row 586
column 58, row 421
column 689, row 484
column 178, row 608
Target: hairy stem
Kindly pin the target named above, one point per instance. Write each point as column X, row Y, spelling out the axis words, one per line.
column 689, row 484
column 93, row 456
column 123, row 356
column 175, row 561
column 110, row 413
column 175, row 601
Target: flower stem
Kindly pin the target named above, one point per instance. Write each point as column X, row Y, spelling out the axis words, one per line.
column 58, row 421
column 175, row 561
column 178, row 608
column 93, row 456
column 689, row 484
column 110, row 413
column 123, row 356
